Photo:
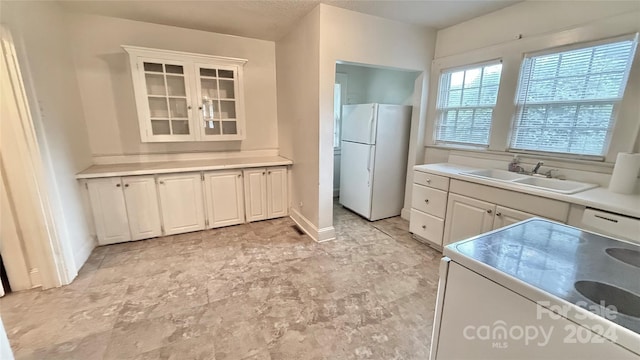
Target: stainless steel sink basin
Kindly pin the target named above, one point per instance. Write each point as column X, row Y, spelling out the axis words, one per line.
column 627, row 256
column 603, row 294
column 556, row 185
column 496, row 174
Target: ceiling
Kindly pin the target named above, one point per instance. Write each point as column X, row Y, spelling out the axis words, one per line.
column 271, row 19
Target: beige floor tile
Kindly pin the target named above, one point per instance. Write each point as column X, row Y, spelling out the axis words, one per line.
column 251, row 291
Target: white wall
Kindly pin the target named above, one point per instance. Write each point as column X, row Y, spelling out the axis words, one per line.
column 108, row 102
column 358, row 38
column 297, row 56
column 45, row 58
column 542, row 24
column 376, row 85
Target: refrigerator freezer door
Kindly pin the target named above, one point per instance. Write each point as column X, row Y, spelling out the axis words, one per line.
column 356, row 174
column 359, row 123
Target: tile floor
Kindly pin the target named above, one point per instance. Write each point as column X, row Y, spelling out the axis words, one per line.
column 253, row 291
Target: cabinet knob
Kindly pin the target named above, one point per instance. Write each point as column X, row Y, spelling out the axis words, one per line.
column 189, row 107
column 269, row 172
column 199, row 107
column 489, row 211
column 161, row 182
column 118, row 185
column 498, row 214
column 424, row 227
column 428, row 181
column 426, row 201
column 126, row 185
column 239, row 175
column 263, row 173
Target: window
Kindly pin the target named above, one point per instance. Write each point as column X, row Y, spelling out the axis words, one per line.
column 466, row 99
column 566, row 100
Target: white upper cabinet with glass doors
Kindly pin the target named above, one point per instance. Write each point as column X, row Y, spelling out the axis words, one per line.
column 187, row 97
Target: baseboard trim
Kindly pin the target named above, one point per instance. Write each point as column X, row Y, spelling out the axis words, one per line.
column 35, row 277
column 405, row 214
column 135, row 158
column 318, row 235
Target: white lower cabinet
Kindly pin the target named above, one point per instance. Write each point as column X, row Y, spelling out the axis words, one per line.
column 225, row 200
column 109, row 210
column 143, row 213
column 143, row 207
column 277, row 190
column 181, row 202
column 505, row 216
column 467, row 217
column 126, row 215
column 266, row 193
column 255, row 194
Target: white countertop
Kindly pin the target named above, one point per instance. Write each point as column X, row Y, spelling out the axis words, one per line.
column 164, row 167
column 599, row 198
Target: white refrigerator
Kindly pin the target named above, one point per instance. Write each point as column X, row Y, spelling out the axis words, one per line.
column 373, row 163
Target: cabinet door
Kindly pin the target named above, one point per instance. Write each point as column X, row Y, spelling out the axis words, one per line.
column 163, row 100
column 255, row 194
column 467, row 217
column 143, row 213
column 109, row 210
column 277, row 191
column 181, row 203
column 219, row 102
column 225, row 201
column 506, row 216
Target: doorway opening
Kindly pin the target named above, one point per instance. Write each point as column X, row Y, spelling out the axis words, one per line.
column 364, row 147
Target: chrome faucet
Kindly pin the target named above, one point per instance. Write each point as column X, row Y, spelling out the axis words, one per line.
column 535, row 169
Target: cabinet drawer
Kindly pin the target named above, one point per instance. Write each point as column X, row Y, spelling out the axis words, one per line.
column 426, row 226
column 429, row 200
column 434, row 181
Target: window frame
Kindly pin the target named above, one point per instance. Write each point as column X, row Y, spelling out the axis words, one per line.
column 518, row 108
column 439, row 111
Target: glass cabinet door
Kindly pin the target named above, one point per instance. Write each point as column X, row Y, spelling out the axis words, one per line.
column 167, row 94
column 217, row 88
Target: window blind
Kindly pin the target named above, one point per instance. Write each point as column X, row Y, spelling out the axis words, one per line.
column 466, row 99
column 566, row 100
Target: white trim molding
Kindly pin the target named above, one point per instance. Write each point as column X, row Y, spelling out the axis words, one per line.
column 318, row 235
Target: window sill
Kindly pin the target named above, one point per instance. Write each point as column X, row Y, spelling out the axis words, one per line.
column 550, row 160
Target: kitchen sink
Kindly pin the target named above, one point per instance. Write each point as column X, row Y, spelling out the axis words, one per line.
column 556, row 185
column 496, row 174
column 608, row 295
column 627, row 256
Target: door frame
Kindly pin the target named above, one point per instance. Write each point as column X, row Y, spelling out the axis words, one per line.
column 52, row 265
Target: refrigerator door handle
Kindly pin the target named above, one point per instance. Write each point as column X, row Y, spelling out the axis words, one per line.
column 369, row 160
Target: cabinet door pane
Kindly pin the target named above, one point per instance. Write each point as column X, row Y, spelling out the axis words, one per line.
column 180, row 127
column 227, row 89
column 160, row 127
column 158, row 107
column 167, row 95
column 226, row 74
column 178, row 108
column 212, row 127
column 175, row 86
column 229, row 127
column 155, row 84
column 228, row 109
